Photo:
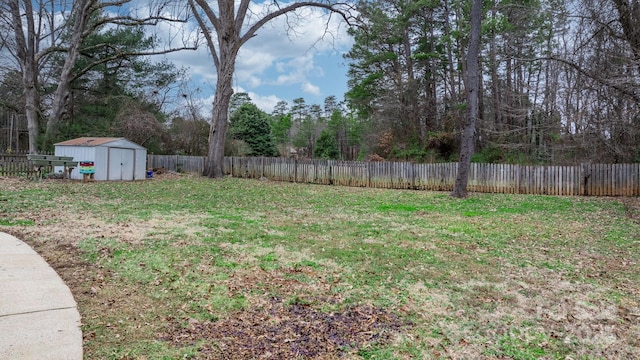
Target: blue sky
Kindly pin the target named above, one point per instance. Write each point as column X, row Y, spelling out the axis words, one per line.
column 276, row 65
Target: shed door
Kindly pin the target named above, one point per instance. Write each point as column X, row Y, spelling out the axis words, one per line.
column 121, row 164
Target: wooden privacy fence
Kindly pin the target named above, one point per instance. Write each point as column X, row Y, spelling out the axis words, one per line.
column 179, row 163
column 16, row 164
column 584, row 179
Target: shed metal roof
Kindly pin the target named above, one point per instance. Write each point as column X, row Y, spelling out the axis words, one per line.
column 98, row 141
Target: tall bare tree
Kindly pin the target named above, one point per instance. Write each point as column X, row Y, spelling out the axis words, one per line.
column 25, row 52
column 42, row 28
column 472, row 85
column 226, row 27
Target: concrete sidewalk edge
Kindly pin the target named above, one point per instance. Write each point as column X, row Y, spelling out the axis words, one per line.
column 39, row 318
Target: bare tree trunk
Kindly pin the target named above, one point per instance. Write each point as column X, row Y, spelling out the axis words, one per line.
column 214, row 164
column 26, row 56
column 629, row 14
column 495, row 81
column 447, row 32
column 78, row 34
column 31, row 107
column 225, row 62
column 472, row 85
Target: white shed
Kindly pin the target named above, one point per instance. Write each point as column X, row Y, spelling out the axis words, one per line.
column 113, row 158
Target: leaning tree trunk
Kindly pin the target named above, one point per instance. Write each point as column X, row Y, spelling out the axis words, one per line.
column 473, row 87
column 62, row 91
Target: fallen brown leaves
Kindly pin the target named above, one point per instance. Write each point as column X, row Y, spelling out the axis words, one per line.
column 281, row 331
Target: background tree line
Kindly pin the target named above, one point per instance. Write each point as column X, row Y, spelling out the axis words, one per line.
column 558, row 79
column 559, row 83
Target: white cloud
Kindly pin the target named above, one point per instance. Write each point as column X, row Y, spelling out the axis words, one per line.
column 265, row 103
column 253, row 82
column 310, row 89
column 205, row 105
column 252, row 64
column 298, row 71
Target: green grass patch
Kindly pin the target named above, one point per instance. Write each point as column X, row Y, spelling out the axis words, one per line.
column 16, row 222
column 518, row 344
column 505, row 276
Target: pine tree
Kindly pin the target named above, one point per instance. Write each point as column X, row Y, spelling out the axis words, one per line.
column 251, row 125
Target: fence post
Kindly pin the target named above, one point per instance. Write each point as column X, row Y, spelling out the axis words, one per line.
column 330, row 169
column 584, row 179
column 413, row 175
column 516, row 173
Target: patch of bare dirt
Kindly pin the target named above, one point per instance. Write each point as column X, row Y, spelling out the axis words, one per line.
column 280, row 331
column 65, row 258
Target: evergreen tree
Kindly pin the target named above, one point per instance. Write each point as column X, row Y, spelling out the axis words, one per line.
column 326, row 146
column 237, row 100
column 280, row 127
column 251, row 125
column 281, row 108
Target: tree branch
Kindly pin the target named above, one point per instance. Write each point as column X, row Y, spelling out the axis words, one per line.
column 287, row 9
column 242, row 14
column 215, row 21
column 635, row 96
column 206, row 33
column 123, row 55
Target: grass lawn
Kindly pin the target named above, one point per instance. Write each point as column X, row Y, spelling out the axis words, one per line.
column 188, row 267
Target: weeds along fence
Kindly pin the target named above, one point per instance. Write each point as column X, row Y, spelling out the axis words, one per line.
column 584, row 179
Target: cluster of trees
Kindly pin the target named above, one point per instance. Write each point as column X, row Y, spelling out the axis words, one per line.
column 61, row 51
column 557, row 81
column 299, row 130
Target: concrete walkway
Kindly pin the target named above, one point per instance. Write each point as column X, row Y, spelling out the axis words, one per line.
column 38, row 315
